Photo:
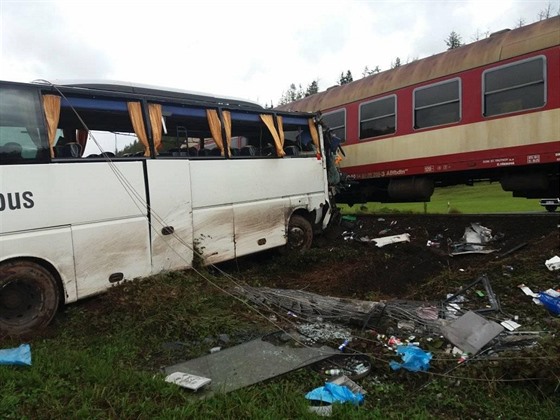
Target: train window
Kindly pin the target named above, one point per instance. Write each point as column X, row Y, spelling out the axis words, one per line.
column 514, row 87
column 437, row 104
column 336, row 121
column 378, row 118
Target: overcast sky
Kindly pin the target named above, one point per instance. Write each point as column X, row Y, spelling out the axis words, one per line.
column 246, row 49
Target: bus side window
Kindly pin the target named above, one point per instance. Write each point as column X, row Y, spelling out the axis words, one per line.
column 23, row 136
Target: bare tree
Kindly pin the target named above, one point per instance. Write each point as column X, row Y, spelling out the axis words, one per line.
column 545, row 13
column 520, row 23
column 478, row 35
column 368, row 72
column 396, row 63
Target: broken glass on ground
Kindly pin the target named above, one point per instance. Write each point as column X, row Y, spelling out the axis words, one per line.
column 249, row 363
column 471, row 332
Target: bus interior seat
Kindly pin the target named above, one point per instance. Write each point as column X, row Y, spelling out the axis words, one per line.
column 68, row 150
column 268, row 151
column 291, row 150
column 11, row 153
column 178, row 152
column 193, row 151
column 234, row 151
column 215, row 152
column 248, row 151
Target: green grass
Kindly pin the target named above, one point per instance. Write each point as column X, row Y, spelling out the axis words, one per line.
column 480, row 198
column 102, row 358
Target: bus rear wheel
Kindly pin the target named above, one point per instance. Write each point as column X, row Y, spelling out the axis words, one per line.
column 29, row 297
column 300, row 234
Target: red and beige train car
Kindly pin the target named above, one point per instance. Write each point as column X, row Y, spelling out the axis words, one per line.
column 489, row 110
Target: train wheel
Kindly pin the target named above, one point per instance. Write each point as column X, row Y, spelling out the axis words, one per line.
column 300, row 234
column 29, row 297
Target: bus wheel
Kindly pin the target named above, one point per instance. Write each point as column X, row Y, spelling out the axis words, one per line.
column 550, row 209
column 300, row 234
column 29, row 297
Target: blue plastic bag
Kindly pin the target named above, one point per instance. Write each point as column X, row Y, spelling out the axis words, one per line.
column 333, row 393
column 552, row 303
column 414, row 359
column 19, row 356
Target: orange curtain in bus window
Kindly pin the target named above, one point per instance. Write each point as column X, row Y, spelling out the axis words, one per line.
column 215, row 128
column 135, row 113
column 268, row 120
column 51, row 106
column 280, row 123
column 314, row 135
column 226, row 117
column 81, row 138
column 156, row 123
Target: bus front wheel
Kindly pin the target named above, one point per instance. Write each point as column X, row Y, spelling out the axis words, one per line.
column 29, row 297
column 300, row 234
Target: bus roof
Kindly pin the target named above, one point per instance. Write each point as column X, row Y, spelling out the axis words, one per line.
column 121, row 87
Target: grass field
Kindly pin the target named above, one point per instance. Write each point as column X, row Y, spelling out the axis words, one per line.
column 480, row 198
column 102, row 358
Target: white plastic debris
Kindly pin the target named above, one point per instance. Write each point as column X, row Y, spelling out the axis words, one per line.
column 553, row 264
column 386, row 240
column 510, row 325
column 187, row 380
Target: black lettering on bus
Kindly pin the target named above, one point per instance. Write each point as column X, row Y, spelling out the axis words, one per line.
column 28, row 199
column 13, row 201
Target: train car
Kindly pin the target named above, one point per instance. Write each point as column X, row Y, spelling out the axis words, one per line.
column 489, row 110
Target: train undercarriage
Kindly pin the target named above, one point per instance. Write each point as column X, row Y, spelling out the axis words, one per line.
column 528, row 182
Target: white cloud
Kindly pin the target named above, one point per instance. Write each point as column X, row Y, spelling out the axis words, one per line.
column 248, row 49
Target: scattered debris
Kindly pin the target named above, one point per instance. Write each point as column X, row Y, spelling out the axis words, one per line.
column 550, row 298
column 349, row 383
column 19, row 356
column 493, row 303
column 414, row 359
column 308, row 306
column 249, row 363
column 553, row 263
column 471, row 332
column 354, row 366
column 512, row 250
column 510, row 325
column 381, row 242
column 322, row 331
column 186, row 380
column 333, row 393
column 474, row 241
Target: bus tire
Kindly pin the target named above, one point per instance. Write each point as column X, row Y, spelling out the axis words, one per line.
column 300, row 234
column 29, row 297
column 550, row 209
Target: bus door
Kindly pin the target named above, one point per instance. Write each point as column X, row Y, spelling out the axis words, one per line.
column 171, row 214
column 212, row 210
column 110, row 231
column 260, row 205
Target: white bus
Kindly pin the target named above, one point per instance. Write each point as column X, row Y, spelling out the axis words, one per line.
column 206, row 177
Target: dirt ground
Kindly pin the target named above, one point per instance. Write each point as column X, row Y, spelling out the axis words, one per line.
column 351, row 268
